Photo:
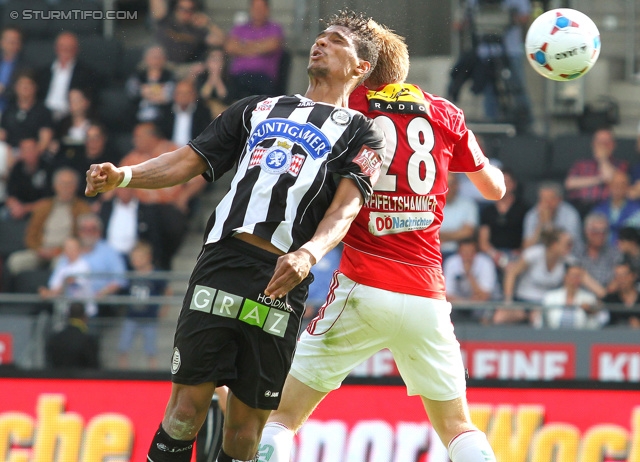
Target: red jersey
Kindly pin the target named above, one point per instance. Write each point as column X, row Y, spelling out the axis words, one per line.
column 394, row 243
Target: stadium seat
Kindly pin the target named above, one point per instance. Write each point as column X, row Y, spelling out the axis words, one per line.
column 526, row 156
column 11, row 236
column 30, row 27
column 38, row 53
column 565, row 150
column 626, row 150
column 283, row 73
column 80, row 23
column 130, row 58
column 101, row 54
column 115, row 110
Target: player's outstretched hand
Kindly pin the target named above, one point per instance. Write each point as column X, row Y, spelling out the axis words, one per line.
column 290, row 270
column 102, row 178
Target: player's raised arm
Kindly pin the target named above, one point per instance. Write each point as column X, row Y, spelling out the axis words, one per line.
column 489, row 181
column 169, row 169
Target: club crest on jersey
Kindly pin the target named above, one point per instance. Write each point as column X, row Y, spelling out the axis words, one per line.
column 305, row 135
column 340, row 117
column 276, row 160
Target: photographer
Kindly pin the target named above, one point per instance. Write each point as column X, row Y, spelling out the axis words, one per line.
column 496, row 59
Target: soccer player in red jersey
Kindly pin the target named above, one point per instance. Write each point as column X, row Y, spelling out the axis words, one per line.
column 389, row 291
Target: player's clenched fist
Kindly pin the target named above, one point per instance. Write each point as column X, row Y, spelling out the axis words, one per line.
column 102, row 178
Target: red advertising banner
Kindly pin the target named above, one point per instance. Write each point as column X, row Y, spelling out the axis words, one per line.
column 50, row 420
column 6, row 348
column 519, row 360
column 618, row 363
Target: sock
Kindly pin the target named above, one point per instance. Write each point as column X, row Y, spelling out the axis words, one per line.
column 166, row 449
column 471, row 446
column 276, row 443
column 224, row 457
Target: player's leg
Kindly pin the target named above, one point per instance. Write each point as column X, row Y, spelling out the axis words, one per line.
column 242, row 429
column 452, row 422
column 428, row 357
column 127, row 336
column 297, row 404
column 341, row 337
column 183, row 417
column 209, row 439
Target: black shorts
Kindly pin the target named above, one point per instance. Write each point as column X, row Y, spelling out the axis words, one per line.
column 229, row 332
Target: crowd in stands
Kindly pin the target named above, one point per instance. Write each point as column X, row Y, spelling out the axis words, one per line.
column 568, row 259
column 575, row 250
column 67, row 101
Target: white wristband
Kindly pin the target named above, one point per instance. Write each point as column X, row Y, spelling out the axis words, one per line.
column 127, row 176
column 313, row 249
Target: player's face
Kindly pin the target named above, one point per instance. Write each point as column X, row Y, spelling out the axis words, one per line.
column 333, row 54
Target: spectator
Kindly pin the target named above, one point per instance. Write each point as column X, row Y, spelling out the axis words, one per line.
column 550, row 212
column 540, row 268
column 51, row 223
column 323, row 274
column 28, row 182
column 622, row 302
column 73, row 347
column 629, row 247
column 211, row 83
column 11, row 63
column 104, row 260
column 152, row 86
column 72, row 129
column 571, row 306
column 595, row 255
column 142, row 317
column 7, row 159
column 186, row 118
column 170, row 206
column 256, row 50
column 497, row 29
column 126, row 221
column 461, row 218
column 26, row 117
column 94, row 152
column 502, row 223
column 619, row 210
column 470, row 276
column 184, row 33
column 587, row 182
column 66, row 72
column 70, row 276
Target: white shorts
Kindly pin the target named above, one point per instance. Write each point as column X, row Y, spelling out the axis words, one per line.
column 357, row 321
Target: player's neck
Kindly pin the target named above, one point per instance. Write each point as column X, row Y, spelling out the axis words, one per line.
column 322, row 91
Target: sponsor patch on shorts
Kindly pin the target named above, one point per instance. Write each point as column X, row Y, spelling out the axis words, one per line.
column 272, row 316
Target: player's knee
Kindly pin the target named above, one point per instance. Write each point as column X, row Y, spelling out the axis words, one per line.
column 241, row 442
column 180, row 421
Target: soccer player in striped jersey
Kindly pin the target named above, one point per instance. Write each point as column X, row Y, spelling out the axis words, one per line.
column 304, row 167
column 389, row 291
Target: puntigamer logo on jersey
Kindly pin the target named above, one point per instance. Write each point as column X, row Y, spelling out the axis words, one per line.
column 307, row 136
column 269, row 314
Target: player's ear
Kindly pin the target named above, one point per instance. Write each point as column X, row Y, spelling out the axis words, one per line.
column 363, row 67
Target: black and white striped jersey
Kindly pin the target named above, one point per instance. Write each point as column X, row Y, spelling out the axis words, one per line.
column 287, row 150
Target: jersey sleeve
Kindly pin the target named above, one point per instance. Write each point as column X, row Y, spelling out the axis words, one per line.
column 467, row 154
column 222, row 142
column 364, row 157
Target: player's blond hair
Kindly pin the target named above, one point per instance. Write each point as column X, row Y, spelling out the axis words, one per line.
column 393, row 57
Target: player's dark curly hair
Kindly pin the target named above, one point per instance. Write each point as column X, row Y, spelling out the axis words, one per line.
column 365, row 38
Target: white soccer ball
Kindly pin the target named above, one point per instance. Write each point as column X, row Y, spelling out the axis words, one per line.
column 562, row 44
